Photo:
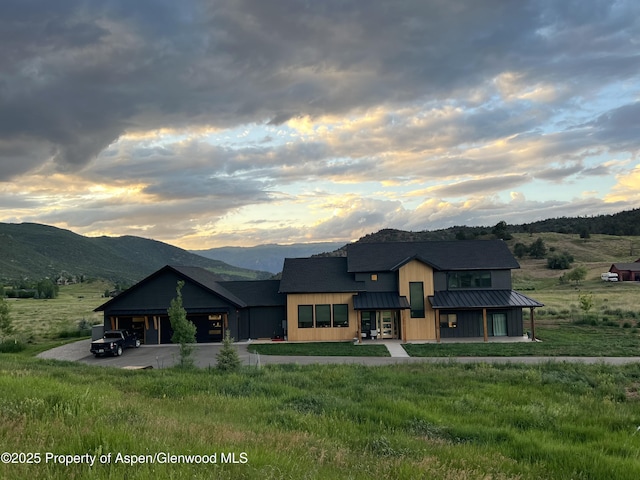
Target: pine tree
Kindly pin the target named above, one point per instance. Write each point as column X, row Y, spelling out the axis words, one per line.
column 228, row 358
column 184, row 331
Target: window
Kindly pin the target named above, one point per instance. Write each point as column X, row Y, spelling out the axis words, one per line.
column 367, row 323
column 416, row 299
column 498, row 325
column 374, row 277
column 448, row 320
column 323, row 316
column 480, row 279
column 341, row 315
column 305, row 316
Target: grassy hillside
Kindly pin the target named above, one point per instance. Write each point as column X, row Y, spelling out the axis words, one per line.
column 36, row 251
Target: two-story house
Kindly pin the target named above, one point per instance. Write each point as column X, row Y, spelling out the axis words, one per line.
column 405, row 290
column 401, row 290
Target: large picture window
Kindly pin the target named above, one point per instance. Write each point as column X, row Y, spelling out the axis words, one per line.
column 305, row 316
column 416, row 299
column 480, row 279
column 323, row 316
column 341, row 315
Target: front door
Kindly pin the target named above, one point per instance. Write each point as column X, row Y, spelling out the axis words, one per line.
column 386, row 324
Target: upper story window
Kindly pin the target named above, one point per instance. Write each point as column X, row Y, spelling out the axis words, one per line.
column 416, row 299
column 479, row 279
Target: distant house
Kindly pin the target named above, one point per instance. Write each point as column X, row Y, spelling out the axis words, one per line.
column 627, row 272
column 398, row 290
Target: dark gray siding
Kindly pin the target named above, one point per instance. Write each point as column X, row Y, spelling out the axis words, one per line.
column 387, row 281
column 157, row 293
column 439, row 281
column 501, row 279
column 262, row 322
column 470, row 323
column 151, row 335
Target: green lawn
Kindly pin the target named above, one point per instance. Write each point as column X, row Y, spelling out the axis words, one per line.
column 442, row 421
column 340, row 349
column 559, row 338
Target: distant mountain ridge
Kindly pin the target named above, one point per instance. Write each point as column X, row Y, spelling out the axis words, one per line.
column 268, row 257
column 35, row 251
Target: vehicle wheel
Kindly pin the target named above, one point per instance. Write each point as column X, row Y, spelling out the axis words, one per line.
column 137, row 343
column 96, row 355
column 119, row 351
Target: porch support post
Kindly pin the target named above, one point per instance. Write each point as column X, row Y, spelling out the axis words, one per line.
column 113, row 322
column 533, row 325
column 484, row 325
column 437, row 326
column 403, row 326
column 359, row 322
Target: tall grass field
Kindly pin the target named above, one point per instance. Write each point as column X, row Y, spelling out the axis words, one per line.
column 442, row 421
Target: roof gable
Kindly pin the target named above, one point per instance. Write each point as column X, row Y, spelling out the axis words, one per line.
column 196, row 275
column 441, row 255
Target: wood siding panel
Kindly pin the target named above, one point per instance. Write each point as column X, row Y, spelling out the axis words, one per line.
column 418, row 328
column 327, row 334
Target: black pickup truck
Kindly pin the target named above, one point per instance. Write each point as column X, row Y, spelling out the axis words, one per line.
column 114, row 342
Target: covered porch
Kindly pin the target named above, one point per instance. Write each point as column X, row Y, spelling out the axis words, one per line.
column 380, row 315
column 485, row 314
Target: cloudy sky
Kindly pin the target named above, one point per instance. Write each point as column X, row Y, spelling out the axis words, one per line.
column 205, row 123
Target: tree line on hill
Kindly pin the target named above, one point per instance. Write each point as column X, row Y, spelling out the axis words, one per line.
column 45, row 288
column 623, row 223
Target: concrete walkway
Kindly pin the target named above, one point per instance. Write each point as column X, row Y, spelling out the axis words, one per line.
column 396, row 350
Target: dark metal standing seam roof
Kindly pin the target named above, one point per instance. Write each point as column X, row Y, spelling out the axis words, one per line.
column 481, row 299
column 442, row 255
column 379, row 301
